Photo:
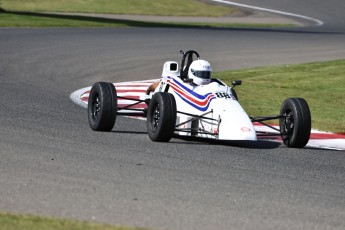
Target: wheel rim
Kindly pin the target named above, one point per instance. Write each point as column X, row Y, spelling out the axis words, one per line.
column 96, row 107
column 288, row 124
column 155, row 117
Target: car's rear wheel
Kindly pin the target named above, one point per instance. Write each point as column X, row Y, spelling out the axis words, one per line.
column 102, row 106
column 295, row 124
column 161, row 117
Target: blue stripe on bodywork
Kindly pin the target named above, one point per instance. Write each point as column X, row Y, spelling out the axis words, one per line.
column 203, row 109
column 199, row 96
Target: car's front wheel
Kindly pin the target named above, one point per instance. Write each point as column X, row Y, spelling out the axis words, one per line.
column 295, row 122
column 102, row 106
column 161, row 117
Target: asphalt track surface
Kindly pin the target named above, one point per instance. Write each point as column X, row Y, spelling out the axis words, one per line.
column 52, row 164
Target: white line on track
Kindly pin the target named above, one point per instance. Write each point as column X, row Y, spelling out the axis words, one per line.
column 316, row 21
column 75, row 96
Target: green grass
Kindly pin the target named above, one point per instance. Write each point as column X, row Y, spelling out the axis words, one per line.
column 144, row 7
column 33, row 19
column 321, row 84
column 24, row 13
column 21, row 19
column 23, row 222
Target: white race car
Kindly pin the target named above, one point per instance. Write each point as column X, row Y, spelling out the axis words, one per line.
column 188, row 102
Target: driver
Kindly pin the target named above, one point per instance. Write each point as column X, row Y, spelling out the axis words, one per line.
column 200, row 71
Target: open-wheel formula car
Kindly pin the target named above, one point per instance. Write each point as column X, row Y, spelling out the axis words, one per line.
column 209, row 109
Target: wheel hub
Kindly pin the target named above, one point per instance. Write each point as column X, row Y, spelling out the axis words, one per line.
column 156, row 116
column 288, row 123
column 96, row 107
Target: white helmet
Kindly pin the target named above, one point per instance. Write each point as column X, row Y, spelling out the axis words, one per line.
column 200, row 71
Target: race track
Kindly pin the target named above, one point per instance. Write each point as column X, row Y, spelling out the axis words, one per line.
column 52, row 164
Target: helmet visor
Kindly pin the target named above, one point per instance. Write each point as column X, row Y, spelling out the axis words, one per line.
column 203, row 74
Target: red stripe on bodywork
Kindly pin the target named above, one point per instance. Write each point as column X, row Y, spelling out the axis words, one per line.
column 199, row 103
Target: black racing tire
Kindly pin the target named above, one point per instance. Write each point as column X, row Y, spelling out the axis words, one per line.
column 295, row 124
column 161, row 117
column 102, row 106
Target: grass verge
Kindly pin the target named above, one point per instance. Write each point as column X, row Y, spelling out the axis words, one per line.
column 21, row 222
column 144, row 7
column 322, row 84
column 33, row 19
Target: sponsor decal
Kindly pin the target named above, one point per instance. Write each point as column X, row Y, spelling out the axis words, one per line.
column 245, row 129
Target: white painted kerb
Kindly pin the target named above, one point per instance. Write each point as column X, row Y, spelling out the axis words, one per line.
column 316, row 21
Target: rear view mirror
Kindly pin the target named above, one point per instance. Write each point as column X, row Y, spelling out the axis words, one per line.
column 236, row 82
